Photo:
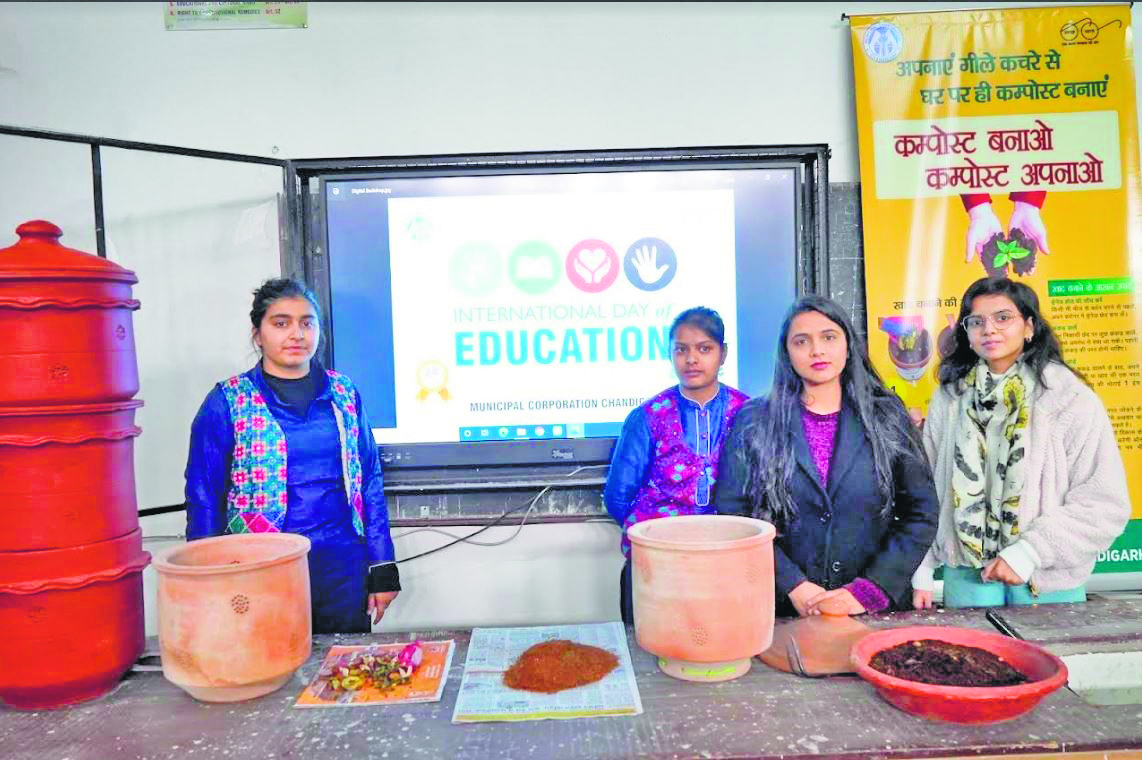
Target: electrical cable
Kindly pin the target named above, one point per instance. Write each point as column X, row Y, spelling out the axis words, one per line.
column 466, row 539
column 529, row 505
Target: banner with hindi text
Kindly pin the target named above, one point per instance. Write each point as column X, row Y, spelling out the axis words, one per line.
column 1005, row 141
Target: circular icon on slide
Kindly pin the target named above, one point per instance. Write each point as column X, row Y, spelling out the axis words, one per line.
column 432, row 377
column 476, row 268
column 650, row 264
column 534, row 267
column 419, row 229
column 592, row 266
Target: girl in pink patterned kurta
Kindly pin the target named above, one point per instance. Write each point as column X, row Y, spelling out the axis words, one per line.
column 665, row 462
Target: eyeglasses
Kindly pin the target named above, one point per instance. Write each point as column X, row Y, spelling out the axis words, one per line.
column 1002, row 320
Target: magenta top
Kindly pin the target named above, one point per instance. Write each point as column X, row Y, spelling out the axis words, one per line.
column 821, row 433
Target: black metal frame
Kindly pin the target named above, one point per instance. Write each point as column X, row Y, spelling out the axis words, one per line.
column 95, row 143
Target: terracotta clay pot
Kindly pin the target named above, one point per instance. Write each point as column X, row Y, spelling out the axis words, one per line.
column 72, row 621
column 963, row 704
column 234, row 614
column 703, row 593
column 67, row 475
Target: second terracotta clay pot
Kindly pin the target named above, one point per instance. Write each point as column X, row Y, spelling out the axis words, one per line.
column 703, row 591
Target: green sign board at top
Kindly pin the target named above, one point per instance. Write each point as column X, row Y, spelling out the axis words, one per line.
column 188, row 16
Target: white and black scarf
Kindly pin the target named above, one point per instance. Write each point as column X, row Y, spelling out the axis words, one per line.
column 989, row 458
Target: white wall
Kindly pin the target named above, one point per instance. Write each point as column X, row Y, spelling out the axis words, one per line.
column 403, row 78
column 369, row 79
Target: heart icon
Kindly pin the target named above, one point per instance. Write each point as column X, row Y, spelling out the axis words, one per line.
column 592, row 266
column 593, row 259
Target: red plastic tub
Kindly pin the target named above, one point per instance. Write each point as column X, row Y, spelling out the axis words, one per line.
column 72, row 621
column 67, row 475
column 963, row 704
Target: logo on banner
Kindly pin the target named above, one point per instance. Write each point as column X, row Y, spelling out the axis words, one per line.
column 883, row 42
column 1084, row 31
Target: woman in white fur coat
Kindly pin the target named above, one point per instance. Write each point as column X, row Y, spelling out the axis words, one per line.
column 1029, row 475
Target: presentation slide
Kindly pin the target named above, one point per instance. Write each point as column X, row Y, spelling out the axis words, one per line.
column 521, row 307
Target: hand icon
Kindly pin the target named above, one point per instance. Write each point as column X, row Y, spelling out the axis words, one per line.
column 650, row 264
column 982, row 227
column 592, row 265
column 1026, row 218
column 645, row 263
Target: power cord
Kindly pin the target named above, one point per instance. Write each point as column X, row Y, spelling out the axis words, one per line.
column 529, row 505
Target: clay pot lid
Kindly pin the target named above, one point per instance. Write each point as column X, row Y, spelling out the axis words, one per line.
column 824, row 642
column 39, row 255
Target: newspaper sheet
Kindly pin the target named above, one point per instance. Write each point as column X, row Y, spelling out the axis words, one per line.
column 484, row 697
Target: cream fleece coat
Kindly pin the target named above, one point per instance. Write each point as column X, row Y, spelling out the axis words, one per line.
column 1075, row 500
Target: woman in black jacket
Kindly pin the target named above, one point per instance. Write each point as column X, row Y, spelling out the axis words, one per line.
column 832, row 459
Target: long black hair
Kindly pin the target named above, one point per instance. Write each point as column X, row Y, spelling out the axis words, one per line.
column 1041, row 350
column 769, row 450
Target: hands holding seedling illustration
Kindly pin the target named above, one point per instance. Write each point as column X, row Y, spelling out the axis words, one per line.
column 983, row 225
column 1025, row 236
column 1027, row 217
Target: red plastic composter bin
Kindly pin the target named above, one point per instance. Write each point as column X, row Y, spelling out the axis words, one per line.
column 72, row 621
column 66, row 320
column 71, row 557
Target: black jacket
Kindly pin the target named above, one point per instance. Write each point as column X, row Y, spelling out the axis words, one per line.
column 839, row 533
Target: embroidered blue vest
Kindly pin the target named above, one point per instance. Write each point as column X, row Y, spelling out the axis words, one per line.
column 259, row 496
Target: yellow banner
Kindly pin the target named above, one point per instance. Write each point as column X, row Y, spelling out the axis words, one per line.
column 1005, row 141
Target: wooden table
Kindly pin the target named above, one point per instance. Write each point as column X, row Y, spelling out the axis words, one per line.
column 764, row 714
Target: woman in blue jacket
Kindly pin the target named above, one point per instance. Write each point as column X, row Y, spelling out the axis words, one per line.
column 832, row 459
column 286, row 447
